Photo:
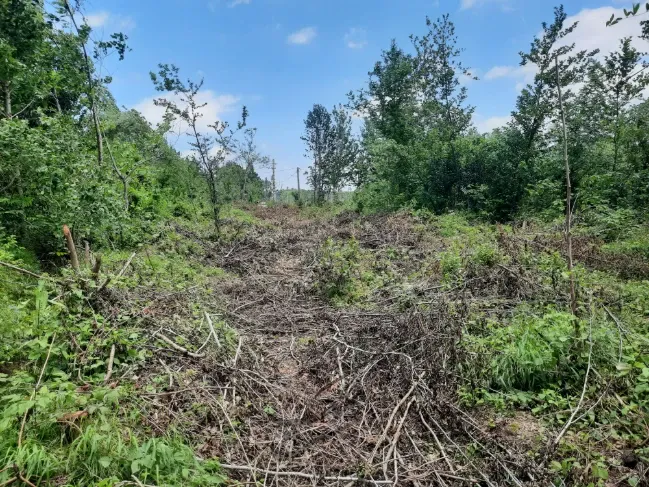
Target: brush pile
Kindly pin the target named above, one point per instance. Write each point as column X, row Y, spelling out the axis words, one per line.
column 305, row 393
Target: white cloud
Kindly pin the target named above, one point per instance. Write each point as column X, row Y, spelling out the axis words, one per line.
column 126, row 23
column 302, row 36
column 505, row 5
column 590, row 34
column 234, row 3
column 522, row 74
column 486, row 125
column 216, row 106
column 499, row 72
column 355, row 38
column 211, row 5
column 97, row 19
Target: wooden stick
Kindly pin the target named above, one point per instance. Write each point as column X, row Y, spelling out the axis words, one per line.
column 175, row 346
column 87, row 252
column 38, row 383
column 212, row 331
column 111, row 360
column 303, row 475
column 120, row 274
column 74, row 259
column 25, row 271
column 389, row 423
column 96, row 267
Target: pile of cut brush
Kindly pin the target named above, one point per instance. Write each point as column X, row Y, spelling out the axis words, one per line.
column 312, row 394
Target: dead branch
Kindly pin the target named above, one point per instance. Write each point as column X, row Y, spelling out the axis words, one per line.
column 26, row 272
column 389, row 422
column 571, row 420
column 212, row 331
column 38, row 383
column 119, row 274
column 72, row 250
column 111, row 360
column 439, row 445
column 177, row 347
column 305, row 475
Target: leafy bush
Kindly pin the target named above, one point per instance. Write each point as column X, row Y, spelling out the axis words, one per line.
column 534, row 352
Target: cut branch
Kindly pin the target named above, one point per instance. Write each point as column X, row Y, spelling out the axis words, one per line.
column 69, row 241
column 175, row 346
column 303, row 475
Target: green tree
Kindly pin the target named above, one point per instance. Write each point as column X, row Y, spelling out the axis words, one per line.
column 211, row 151
column 23, row 32
column 318, row 137
column 344, row 151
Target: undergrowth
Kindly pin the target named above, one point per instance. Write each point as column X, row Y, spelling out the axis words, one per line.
column 64, row 420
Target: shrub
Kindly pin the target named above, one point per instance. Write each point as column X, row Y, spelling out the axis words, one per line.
column 534, row 352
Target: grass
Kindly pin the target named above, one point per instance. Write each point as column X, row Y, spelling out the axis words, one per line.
column 523, row 355
column 79, row 430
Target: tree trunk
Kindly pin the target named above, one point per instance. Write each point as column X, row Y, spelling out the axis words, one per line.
column 56, row 99
column 616, row 135
column 573, row 297
column 121, row 176
column 91, row 97
column 7, row 97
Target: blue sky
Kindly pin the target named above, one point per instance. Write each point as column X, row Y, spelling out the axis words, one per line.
column 279, row 57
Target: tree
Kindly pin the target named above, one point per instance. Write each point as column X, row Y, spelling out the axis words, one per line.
column 318, row 137
column 389, row 103
column 329, row 141
column 538, row 100
column 249, row 157
column 117, row 42
column 344, row 151
column 22, row 36
column 391, row 135
column 623, row 78
column 445, row 115
column 632, row 12
column 210, row 150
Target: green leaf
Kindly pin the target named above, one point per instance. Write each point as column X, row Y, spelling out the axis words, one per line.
column 600, row 472
column 636, row 7
column 105, row 462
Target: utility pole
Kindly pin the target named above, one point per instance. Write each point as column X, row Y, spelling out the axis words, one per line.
column 299, row 195
column 272, row 181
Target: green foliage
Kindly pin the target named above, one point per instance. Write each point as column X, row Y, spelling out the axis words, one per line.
column 420, row 151
column 340, row 270
column 328, row 139
column 82, row 429
column 535, row 351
